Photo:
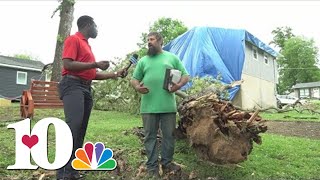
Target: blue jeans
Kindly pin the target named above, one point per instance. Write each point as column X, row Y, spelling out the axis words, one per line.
column 151, row 123
column 77, row 102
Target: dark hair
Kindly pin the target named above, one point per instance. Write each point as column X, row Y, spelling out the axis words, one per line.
column 158, row 36
column 83, row 21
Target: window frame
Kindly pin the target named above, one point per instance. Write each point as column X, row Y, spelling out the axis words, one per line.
column 255, row 49
column 304, row 92
column 25, row 80
column 266, row 57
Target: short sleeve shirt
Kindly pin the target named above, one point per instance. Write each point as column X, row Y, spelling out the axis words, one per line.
column 77, row 48
column 151, row 71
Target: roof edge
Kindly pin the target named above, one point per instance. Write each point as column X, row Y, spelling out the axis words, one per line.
column 20, row 67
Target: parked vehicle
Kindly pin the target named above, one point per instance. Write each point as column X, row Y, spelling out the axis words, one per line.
column 283, row 100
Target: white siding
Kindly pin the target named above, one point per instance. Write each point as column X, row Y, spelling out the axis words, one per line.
column 260, row 78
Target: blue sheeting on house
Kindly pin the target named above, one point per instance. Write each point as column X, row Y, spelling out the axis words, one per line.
column 208, row 51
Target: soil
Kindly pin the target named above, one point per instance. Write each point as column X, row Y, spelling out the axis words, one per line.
column 295, row 128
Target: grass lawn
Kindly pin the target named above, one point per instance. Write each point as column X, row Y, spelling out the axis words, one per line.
column 291, row 116
column 296, row 116
column 279, row 157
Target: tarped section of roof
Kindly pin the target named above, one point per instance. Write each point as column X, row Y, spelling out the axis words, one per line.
column 208, row 51
column 254, row 40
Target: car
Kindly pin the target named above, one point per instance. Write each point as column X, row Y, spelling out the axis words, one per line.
column 283, row 100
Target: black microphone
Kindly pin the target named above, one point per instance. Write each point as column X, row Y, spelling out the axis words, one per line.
column 133, row 60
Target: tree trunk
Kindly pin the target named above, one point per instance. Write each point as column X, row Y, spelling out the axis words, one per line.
column 66, row 18
column 217, row 130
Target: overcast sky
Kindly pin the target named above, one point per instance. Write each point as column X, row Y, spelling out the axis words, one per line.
column 27, row 26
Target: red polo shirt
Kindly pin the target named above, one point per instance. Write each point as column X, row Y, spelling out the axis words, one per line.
column 77, row 48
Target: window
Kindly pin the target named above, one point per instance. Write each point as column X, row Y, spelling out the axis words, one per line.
column 265, row 57
column 304, row 93
column 21, row 77
column 48, row 76
column 254, row 52
column 315, row 93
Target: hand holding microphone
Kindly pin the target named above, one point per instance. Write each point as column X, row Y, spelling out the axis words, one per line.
column 133, row 60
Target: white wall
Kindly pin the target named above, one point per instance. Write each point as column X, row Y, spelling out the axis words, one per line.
column 260, row 78
column 255, row 92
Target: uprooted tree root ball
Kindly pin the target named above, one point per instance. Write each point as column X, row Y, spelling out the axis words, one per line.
column 217, row 130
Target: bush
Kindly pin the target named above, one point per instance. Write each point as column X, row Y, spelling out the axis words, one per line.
column 205, row 83
column 119, row 95
column 116, row 95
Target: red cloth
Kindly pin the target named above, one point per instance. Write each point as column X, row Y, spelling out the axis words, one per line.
column 77, row 48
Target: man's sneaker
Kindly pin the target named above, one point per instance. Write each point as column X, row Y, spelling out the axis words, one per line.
column 72, row 177
column 170, row 167
column 77, row 176
column 154, row 173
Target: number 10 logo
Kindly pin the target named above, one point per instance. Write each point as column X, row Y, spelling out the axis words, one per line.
column 36, row 144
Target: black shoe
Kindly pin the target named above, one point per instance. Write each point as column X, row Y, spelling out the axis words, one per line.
column 154, row 173
column 72, row 177
column 170, row 167
column 77, row 176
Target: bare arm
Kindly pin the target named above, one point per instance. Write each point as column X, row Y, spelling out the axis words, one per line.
column 71, row 65
column 138, row 86
column 182, row 82
column 134, row 83
column 111, row 75
column 103, row 76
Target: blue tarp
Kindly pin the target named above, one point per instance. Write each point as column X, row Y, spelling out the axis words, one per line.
column 209, row 51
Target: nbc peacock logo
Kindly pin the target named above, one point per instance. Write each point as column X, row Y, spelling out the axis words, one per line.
column 94, row 157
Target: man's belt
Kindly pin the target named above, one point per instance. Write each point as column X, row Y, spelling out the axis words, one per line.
column 81, row 80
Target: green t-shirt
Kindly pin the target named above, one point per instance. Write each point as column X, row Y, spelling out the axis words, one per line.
column 151, row 71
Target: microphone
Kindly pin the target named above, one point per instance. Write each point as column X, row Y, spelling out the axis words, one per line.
column 133, row 60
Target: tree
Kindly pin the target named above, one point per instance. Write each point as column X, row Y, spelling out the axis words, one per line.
column 119, row 95
column 281, row 35
column 169, row 29
column 298, row 63
column 24, row 56
column 66, row 17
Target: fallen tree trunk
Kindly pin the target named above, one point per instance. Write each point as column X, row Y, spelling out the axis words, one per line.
column 217, row 130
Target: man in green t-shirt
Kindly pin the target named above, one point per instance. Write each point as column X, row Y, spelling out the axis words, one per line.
column 158, row 106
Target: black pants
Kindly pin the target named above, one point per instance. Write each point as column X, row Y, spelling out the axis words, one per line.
column 77, row 101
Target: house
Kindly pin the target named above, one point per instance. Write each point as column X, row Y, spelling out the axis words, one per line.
column 307, row 90
column 235, row 54
column 16, row 75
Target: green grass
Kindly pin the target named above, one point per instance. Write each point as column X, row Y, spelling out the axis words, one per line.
column 315, row 102
column 291, row 116
column 279, row 157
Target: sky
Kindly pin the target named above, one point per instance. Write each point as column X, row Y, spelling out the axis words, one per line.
column 27, row 26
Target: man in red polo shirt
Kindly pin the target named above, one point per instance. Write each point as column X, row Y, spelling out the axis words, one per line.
column 79, row 69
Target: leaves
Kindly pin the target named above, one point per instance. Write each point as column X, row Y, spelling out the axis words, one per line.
column 24, row 56
column 119, row 95
column 298, row 63
column 281, row 35
column 167, row 27
column 208, row 83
